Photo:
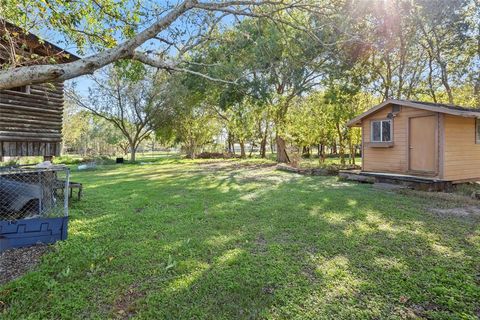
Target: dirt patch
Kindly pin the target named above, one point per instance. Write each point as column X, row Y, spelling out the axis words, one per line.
column 270, row 289
column 447, row 205
column 443, row 198
column 309, row 273
column 140, row 209
column 124, row 307
column 16, row 262
column 461, row 212
column 260, row 245
column 423, row 309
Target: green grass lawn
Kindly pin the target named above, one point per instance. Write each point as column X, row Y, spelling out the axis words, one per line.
column 179, row 239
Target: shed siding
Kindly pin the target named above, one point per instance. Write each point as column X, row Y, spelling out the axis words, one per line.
column 462, row 154
column 393, row 159
column 31, row 123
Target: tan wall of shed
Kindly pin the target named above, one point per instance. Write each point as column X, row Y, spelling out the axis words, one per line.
column 393, row 159
column 462, row 154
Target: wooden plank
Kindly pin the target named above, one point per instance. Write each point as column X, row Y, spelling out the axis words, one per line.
column 30, row 131
column 20, row 126
column 23, row 148
column 58, row 93
column 41, row 148
column 36, row 109
column 31, row 115
column 36, row 148
column 22, row 134
column 31, row 101
column 5, row 148
column 33, row 138
column 58, row 147
column 33, row 93
column 13, row 149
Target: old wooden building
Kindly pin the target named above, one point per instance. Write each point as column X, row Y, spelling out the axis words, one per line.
column 31, row 115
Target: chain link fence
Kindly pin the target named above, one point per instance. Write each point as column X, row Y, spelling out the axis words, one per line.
column 30, row 192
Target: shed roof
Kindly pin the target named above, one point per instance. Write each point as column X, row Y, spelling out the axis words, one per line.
column 36, row 42
column 436, row 107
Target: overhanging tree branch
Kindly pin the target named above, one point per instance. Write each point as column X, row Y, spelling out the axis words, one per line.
column 50, row 72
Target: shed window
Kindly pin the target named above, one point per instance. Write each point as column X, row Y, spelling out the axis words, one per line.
column 381, row 131
column 477, row 131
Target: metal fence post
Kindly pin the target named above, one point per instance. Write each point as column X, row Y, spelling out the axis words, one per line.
column 66, row 192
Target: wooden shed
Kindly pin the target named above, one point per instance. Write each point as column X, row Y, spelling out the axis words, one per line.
column 31, row 115
column 421, row 139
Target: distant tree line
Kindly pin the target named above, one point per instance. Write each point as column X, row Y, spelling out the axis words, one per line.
column 296, row 77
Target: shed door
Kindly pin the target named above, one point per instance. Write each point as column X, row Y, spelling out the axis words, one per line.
column 422, row 143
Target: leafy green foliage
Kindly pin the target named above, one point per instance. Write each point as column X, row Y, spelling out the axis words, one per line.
column 97, row 23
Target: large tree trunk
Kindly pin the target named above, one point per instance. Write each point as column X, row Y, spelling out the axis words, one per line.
column 229, row 141
column 341, row 153
column 263, row 147
column 282, row 155
column 306, row 152
column 190, row 148
column 341, row 149
column 321, row 153
column 242, row 150
column 133, row 150
column 190, row 152
column 263, row 143
column 352, row 152
column 133, row 154
column 333, row 150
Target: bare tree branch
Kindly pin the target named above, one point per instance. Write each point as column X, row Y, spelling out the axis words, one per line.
column 158, row 63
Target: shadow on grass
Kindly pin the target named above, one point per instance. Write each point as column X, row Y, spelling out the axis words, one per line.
column 185, row 241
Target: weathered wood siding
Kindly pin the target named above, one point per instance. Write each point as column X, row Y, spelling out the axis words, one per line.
column 395, row 158
column 462, row 154
column 31, row 123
